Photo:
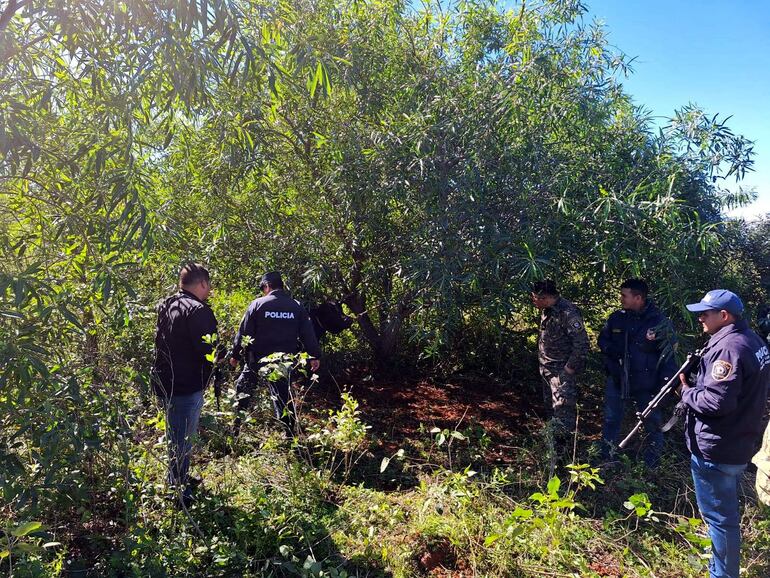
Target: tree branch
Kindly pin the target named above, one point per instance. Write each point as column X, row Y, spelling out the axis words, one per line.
column 10, row 11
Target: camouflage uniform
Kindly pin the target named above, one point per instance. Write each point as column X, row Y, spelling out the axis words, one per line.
column 562, row 340
column 762, row 461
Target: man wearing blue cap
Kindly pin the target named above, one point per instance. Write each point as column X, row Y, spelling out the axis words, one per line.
column 724, row 420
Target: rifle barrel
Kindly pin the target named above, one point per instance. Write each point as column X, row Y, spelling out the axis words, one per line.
column 630, row 435
column 671, row 385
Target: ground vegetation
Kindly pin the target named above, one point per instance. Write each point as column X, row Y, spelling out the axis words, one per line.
column 421, row 163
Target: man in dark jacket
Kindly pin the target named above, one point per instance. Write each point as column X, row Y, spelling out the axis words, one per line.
column 724, row 420
column 182, row 368
column 272, row 323
column 637, row 342
column 328, row 317
column 562, row 347
column 763, row 322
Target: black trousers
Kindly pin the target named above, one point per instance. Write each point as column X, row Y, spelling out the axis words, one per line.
column 280, row 394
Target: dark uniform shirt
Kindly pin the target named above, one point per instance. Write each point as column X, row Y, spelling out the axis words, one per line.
column 181, row 366
column 650, row 362
column 328, row 317
column 763, row 322
column 275, row 322
column 724, row 408
column 562, row 339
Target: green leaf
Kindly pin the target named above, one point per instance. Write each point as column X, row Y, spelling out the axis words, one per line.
column 317, row 77
column 28, row 548
column 70, row 316
column 553, row 486
column 327, row 80
column 521, row 513
column 11, row 314
column 26, row 528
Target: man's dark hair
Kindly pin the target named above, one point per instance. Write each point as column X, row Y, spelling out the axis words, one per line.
column 546, row 286
column 636, row 286
column 272, row 280
column 192, row 274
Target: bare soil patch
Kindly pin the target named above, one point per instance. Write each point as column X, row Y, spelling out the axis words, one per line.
column 401, row 408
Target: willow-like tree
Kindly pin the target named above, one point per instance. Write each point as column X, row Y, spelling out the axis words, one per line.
column 424, row 163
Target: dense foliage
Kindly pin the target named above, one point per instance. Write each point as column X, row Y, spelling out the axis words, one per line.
column 421, row 163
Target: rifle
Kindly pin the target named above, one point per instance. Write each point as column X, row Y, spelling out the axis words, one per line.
column 625, row 380
column 671, row 385
column 218, row 379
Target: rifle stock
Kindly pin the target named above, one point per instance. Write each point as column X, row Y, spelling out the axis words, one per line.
column 692, row 360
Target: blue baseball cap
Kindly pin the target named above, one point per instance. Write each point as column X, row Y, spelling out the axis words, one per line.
column 718, row 299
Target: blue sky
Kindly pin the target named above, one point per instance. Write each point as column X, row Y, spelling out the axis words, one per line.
column 713, row 53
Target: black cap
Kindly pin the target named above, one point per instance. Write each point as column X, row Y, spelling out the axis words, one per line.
column 272, row 278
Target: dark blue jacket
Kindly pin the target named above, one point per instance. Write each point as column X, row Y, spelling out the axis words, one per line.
column 763, row 322
column 275, row 322
column 328, row 317
column 724, row 408
column 648, row 369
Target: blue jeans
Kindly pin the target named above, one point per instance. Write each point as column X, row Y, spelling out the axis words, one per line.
column 182, row 415
column 716, row 489
column 614, row 407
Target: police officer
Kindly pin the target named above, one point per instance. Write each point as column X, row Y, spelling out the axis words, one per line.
column 274, row 323
column 763, row 322
column 724, row 420
column 181, row 369
column 562, row 346
column 637, row 342
column 328, row 317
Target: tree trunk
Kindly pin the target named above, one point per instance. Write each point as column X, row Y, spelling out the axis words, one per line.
column 382, row 340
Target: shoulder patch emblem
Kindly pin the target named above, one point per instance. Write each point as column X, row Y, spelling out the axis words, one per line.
column 576, row 324
column 721, row 370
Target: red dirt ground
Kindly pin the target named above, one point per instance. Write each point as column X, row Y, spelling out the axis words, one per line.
column 396, row 407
